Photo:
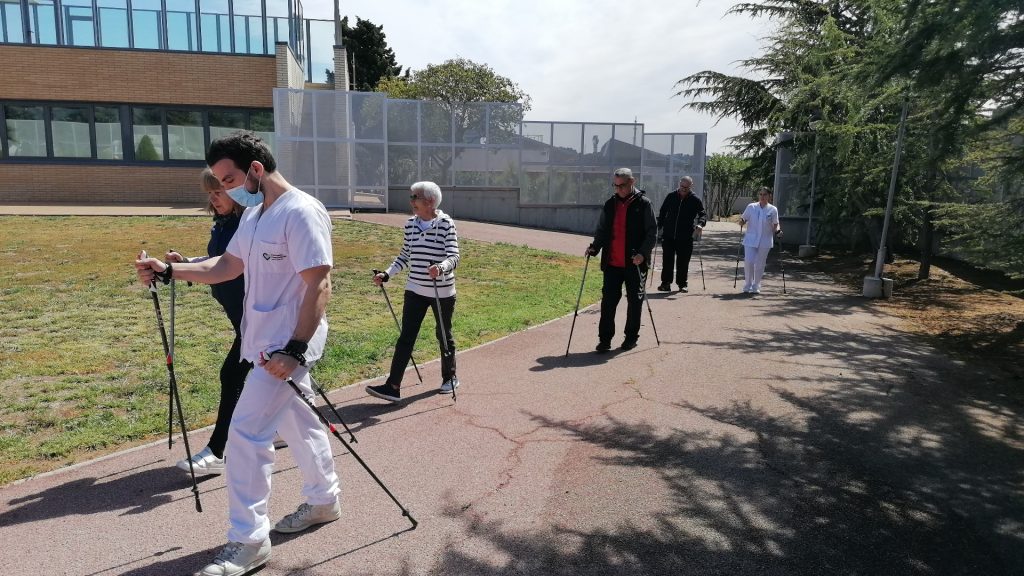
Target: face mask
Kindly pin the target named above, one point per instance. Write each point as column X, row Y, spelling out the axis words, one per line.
column 244, row 197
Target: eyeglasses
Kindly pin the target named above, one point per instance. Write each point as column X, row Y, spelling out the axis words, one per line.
column 415, row 197
column 623, row 185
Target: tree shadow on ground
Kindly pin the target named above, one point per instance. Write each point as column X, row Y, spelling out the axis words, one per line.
column 891, row 466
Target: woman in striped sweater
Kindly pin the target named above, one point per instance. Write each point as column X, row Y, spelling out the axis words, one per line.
column 430, row 250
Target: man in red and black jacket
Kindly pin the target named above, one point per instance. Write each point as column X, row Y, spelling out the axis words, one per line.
column 626, row 231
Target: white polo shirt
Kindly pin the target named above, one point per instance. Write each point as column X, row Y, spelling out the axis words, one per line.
column 760, row 225
column 293, row 235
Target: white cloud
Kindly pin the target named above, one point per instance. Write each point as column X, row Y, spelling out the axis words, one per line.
column 599, row 61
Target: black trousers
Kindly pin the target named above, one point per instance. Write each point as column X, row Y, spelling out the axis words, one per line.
column 676, row 254
column 611, row 293
column 413, row 311
column 232, row 379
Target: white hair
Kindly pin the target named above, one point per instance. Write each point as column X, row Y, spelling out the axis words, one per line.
column 430, row 191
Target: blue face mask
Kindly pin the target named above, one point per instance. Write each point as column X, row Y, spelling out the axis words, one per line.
column 244, row 197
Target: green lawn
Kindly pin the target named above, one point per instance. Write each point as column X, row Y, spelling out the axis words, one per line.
column 81, row 363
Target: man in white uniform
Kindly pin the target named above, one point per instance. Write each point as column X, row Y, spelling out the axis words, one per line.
column 284, row 248
column 762, row 220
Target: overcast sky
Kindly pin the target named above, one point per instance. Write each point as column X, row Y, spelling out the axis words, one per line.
column 593, row 60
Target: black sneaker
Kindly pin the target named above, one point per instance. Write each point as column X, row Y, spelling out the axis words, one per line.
column 385, row 392
column 664, row 288
column 603, row 347
column 628, row 344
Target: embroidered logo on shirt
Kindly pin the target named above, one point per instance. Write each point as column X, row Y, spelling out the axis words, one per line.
column 267, row 256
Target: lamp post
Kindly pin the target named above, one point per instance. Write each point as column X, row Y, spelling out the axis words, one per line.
column 808, row 250
column 876, row 286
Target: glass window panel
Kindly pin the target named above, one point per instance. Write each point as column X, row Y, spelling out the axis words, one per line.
column 78, row 23
column 503, row 167
column 536, row 141
column 113, row 23
column 43, row 20
column 26, row 131
column 248, row 27
column 147, row 131
column 566, row 143
column 225, row 123
column 471, row 167
column 471, row 122
column 146, row 24
column 683, row 157
column 367, row 112
column 369, row 165
column 70, row 130
column 332, row 167
column 503, row 124
column 626, row 146
column 403, row 165
column 12, row 28
column 595, row 144
column 262, row 123
column 108, row 133
column 402, row 121
column 436, row 165
column 321, row 50
column 657, row 150
column 565, row 185
column 596, row 187
column 535, row 185
column 181, row 25
column 277, row 23
column 185, row 135
column 215, row 25
column 435, row 123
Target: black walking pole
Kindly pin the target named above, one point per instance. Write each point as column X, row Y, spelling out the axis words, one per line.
column 643, row 296
column 398, row 324
column 578, row 296
column 174, row 387
column 170, row 389
column 348, row 447
column 320, row 390
column 444, row 335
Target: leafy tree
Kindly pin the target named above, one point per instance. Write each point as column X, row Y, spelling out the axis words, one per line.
column 725, row 176
column 146, row 150
column 370, row 57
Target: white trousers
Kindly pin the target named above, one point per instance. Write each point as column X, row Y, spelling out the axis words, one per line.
column 753, row 266
column 269, row 405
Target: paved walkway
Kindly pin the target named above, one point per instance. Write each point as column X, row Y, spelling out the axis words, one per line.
column 782, row 434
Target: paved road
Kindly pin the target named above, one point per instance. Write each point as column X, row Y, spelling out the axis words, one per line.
column 783, row 434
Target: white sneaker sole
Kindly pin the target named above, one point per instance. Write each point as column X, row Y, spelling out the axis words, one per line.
column 447, row 390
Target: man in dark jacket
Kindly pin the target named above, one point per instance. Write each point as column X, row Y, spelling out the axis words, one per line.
column 681, row 219
column 626, row 231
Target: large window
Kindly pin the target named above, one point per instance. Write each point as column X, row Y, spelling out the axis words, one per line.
column 147, row 24
column 181, row 25
column 78, row 23
column 215, row 25
column 113, row 23
column 12, row 27
column 121, row 132
column 70, row 127
column 26, row 131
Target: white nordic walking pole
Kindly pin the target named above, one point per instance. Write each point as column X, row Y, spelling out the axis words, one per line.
column 444, row 335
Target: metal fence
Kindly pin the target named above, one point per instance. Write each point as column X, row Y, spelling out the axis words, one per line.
column 348, row 148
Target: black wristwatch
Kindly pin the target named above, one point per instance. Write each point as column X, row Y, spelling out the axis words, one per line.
column 296, row 349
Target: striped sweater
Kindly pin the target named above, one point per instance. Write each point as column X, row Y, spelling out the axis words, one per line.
column 438, row 244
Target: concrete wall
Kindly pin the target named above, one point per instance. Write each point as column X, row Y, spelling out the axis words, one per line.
column 501, row 205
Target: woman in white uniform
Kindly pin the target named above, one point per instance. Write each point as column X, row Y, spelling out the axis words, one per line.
column 762, row 221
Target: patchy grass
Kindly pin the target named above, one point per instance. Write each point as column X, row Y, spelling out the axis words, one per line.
column 81, row 363
column 972, row 315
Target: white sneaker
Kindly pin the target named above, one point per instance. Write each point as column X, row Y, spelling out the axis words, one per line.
column 237, row 559
column 307, row 515
column 449, row 386
column 203, row 462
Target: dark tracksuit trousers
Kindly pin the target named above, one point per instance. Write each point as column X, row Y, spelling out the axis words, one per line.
column 413, row 311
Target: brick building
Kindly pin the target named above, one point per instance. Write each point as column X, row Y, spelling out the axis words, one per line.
column 115, row 101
